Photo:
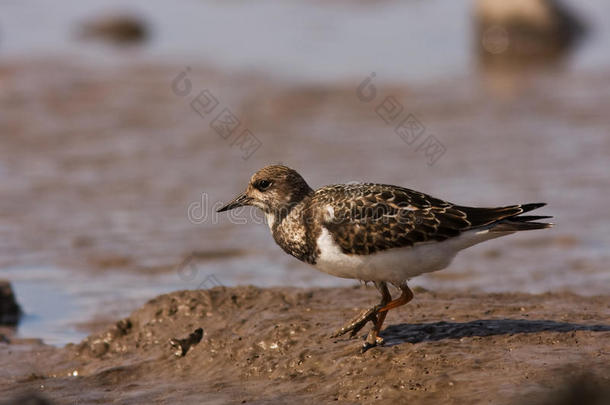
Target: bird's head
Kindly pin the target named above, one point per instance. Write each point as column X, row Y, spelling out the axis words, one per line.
column 274, row 189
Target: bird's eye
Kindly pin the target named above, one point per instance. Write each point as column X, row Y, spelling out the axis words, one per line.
column 262, row 185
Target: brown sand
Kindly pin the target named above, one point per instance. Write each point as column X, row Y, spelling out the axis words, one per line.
column 272, row 346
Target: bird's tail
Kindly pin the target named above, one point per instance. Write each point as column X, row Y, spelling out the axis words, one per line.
column 521, row 222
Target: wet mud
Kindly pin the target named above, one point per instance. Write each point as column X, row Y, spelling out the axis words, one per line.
column 273, row 346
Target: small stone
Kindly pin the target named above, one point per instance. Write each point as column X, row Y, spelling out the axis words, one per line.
column 98, row 348
column 182, row 346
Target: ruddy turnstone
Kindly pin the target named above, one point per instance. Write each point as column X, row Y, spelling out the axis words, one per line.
column 373, row 232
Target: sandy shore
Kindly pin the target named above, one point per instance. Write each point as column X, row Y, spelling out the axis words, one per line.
column 272, row 346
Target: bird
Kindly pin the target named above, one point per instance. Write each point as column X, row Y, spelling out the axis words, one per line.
column 372, row 232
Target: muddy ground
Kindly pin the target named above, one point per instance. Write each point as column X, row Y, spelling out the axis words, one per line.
column 273, row 346
column 98, row 168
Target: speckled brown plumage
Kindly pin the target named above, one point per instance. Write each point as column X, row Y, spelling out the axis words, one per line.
column 373, row 217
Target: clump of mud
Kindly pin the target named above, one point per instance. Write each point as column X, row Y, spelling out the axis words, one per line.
column 251, row 344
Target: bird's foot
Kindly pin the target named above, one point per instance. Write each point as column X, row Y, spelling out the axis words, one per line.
column 358, row 322
column 372, row 340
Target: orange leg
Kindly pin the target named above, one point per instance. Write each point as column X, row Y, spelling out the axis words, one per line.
column 373, row 339
column 405, row 297
column 370, row 314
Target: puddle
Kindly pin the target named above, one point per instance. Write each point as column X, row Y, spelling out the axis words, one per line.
column 55, row 301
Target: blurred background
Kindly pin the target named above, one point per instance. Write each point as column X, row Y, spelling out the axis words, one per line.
column 123, row 124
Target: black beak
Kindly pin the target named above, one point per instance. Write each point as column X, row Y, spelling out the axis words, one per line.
column 238, row 201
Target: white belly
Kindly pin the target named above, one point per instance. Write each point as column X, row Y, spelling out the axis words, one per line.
column 394, row 265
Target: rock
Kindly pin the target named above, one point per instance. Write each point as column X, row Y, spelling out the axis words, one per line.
column 9, row 309
column 116, row 28
column 525, row 30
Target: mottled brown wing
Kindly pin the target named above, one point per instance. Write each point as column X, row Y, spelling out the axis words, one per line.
column 366, row 218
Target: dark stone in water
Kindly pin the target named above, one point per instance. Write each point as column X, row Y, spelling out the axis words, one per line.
column 118, row 29
column 10, row 312
column 519, row 34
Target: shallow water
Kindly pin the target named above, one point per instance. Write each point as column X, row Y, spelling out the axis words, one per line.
column 56, row 301
column 62, row 306
column 293, row 40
